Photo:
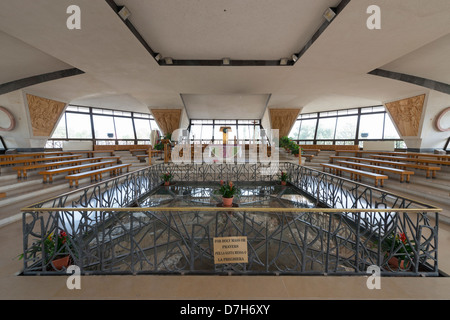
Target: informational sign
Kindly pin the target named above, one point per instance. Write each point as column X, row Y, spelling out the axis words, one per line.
column 230, row 250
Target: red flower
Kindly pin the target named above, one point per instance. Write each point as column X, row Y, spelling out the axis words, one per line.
column 403, row 237
column 230, row 184
column 221, row 182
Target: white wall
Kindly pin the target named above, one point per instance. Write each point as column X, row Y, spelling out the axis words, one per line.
column 21, row 135
column 431, row 138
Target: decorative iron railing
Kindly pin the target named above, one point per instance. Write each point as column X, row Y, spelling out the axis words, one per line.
column 354, row 226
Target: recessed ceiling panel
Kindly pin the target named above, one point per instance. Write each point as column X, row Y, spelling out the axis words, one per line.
column 236, row 29
column 233, row 106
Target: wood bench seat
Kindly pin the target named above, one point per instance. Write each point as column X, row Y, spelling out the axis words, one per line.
column 39, row 159
column 308, row 156
column 48, row 174
column 430, row 170
column 410, row 159
column 314, row 151
column 354, row 173
column 96, row 175
column 22, row 170
column 379, row 169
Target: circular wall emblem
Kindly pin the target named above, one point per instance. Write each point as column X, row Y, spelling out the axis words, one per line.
column 10, row 121
column 443, row 120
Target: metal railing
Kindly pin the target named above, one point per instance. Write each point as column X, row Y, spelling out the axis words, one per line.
column 353, row 226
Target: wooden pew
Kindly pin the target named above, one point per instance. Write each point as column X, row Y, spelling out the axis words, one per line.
column 354, row 173
column 26, row 162
column 96, row 175
column 22, row 170
column 379, row 169
column 313, row 151
column 410, row 159
column 47, row 175
column 14, row 156
column 430, row 170
column 91, row 154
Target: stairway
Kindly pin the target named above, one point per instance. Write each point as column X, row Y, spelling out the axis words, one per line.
column 322, row 157
column 126, row 157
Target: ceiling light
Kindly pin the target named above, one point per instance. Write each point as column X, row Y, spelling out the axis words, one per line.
column 124, row 13
column 284, row 61
column 329, row 14
column 168, row 60
column 226, row 61
column 158, row 56
column 294, row 58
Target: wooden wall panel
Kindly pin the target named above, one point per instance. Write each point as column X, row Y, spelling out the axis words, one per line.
column 168, row 120
column 283, row 120
column 44, row 114
column 406, row 114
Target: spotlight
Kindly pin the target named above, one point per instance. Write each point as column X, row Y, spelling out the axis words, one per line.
column 294, row 58
column 329, row 14
column 284, row 61
column 158, row 56
column 226, row 61
column 168, row 60
column 124, row 13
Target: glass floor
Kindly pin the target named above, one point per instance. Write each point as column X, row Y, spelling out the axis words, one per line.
column 198, row 194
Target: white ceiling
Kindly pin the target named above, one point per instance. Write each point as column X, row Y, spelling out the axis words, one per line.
column 214, row 29
column 119, row 72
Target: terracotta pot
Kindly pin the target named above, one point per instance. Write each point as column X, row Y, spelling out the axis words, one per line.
column 283, row 183
column 61, row 262
column 227, row 202
column 296, row 155
column 404, row 264
column 167, row 183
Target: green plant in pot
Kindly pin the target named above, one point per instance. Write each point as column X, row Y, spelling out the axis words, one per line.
column 295, row 150
column 167, row 177
column 399, row 250
column 227, row 190
column 56, row 250
column 284, row 142
column 284, row 177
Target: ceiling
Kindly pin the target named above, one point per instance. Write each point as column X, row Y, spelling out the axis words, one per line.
column 119, row 72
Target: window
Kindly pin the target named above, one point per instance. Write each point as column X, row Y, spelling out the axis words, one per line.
column 78, row 126
column 104, row 127
column 60, row 131
column 307, row 129
column 142, row 128
column 124, row 128
column 390, row 132
column 295, row 130
column 346, row 127
column 325, row 128
column 371, row 126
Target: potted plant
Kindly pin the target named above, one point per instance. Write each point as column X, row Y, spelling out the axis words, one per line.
column 56, row 249
column 295, row 150
column 284, row 178
column 284, row 141
column 400, row 251
column 227, row 190
column 167, row 177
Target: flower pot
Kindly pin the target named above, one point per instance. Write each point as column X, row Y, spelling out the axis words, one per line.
column 60, row 263
column 167, row 183
column 395, row 263
column 296, row 155
column 283, row 183
column 227, row 202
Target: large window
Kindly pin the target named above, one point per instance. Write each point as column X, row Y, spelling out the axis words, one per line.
column 347, row 126
column 206, row 131
column 105, row 125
